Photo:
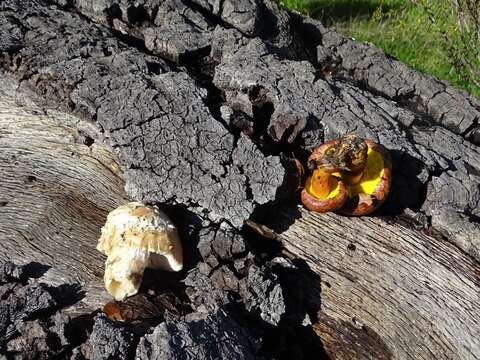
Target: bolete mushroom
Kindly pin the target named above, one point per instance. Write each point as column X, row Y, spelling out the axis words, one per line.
column 369, row 189
column 361, row 168
column 324, row 190
column 134, row 237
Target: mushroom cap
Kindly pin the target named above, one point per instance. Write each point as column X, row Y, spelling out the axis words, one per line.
column 337, row 195
column 333, row 201
column 367, row 187
column 347, row 154
column 318, row 153
column 373, row 187
column 137, row 226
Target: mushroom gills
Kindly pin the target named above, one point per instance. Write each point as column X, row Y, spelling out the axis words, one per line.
column 124, row 270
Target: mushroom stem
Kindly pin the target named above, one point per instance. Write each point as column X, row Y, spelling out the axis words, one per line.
column 352, row 178
column 124, row 269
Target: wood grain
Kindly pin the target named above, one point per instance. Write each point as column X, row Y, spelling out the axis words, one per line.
column 387, row 289
column 55, row 192
column 414, row 294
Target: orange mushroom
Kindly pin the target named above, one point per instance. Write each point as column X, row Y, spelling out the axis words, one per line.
column 324, row 190
column 349, row 175
column 370, row 190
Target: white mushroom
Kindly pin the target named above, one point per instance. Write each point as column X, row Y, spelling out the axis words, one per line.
column 134, row 237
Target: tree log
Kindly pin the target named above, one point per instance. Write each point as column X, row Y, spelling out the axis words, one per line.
column 56, row 188
column 198, row 106
column 406, row 293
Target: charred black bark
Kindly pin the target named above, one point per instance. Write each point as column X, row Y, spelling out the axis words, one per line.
column 201, row 100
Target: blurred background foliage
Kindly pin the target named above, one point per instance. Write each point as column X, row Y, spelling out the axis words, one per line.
column 437, row 37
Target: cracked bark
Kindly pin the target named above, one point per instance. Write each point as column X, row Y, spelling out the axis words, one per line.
column 197, row 105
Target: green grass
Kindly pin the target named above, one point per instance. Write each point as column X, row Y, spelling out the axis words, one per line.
column 406, row 31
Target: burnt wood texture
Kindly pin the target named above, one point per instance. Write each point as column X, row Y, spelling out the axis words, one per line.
column 199, row 106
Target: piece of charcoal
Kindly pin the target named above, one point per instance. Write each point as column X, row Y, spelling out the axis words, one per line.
column 207, row 336
column 19, row 302
column 111, row 340
column 373, row 68
column 204, row 293
column 264, row 295
column 10, row 272
column 177, row 32
column 222, row 243
column 35, row 341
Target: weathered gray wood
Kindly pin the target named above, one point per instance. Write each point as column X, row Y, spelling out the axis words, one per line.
column 208, row 134
column 415, row 295
column 395, row 289
column 206, row 137
column 55, row 191
column 54, row 201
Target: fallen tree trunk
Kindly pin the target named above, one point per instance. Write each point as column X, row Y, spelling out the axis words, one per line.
column 403, row 293
column 56, row 191
column 384, row 284
column 200, row 106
